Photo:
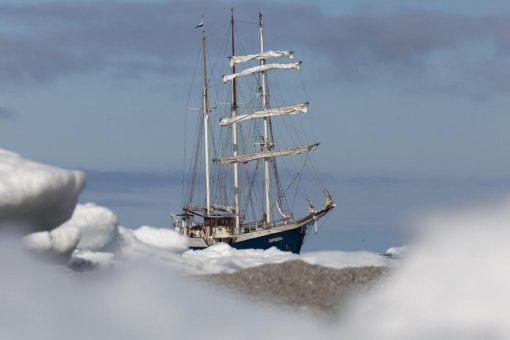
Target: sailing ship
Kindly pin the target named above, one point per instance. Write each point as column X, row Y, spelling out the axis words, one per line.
column 224, row 206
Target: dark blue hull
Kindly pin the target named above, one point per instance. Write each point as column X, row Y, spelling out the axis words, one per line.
column 287, row 240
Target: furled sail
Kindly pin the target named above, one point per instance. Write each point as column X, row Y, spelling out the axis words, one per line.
column 264, row 154
column 261, row 68
column 275, row 111
column 268, row 54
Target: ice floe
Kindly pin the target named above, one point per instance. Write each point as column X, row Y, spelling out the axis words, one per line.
column 163, row 238
column 97, row 226
column 223, row 258
column 36, row 196
column 59, row 241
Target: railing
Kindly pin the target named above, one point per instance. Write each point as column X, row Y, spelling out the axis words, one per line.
column 253, row 226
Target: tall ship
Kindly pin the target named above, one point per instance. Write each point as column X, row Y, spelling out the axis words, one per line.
column 234, row 192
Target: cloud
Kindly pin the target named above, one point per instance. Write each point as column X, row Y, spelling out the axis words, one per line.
column 421, row 50
column 416, row 50
column 6, row 113
column 57, row 39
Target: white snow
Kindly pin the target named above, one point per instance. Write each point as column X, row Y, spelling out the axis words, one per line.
column 36, row 196
column 166, row 239
column 97, row 226
column 223, row 258
column 97, row 258
column 343, row 259
column 58, row 241
column 452, row 285
column 134, row 301
column 94, row 229
column 397, row 252
column 91, row 228
column 132, row 248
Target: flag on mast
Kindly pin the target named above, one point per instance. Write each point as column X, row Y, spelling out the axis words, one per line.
column 201, row 24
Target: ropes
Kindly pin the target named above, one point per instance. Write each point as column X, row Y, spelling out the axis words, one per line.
column 188, row 102
column 282, row 130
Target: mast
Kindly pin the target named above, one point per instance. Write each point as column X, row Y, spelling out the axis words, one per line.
column 265, row 144
column 233, row 112
column 205, row 108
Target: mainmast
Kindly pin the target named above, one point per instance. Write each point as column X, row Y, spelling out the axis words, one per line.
column 267, row 150
column 205, row 108
column 233, row 111
column 265, row 143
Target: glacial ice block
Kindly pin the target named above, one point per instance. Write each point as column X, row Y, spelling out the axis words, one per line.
column 36, row 196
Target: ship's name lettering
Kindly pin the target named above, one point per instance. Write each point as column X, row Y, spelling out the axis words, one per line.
column 275, row 239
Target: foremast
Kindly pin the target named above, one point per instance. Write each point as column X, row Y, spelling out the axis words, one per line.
column 205, row 112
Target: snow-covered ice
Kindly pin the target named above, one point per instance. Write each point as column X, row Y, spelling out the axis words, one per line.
column 162, row 238
column 97, row 226
column 396, row 252
column 59, row 241
column 223, row 258
column 36, row 196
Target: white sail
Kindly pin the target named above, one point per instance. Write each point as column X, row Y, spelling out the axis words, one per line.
column 275, row 111
column 261, row 68
column 264, row 154
column 268, row 54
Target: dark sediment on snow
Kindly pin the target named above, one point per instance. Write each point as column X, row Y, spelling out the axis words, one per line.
column 302, row 285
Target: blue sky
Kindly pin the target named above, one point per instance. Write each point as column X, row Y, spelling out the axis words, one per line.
column 412, row 92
